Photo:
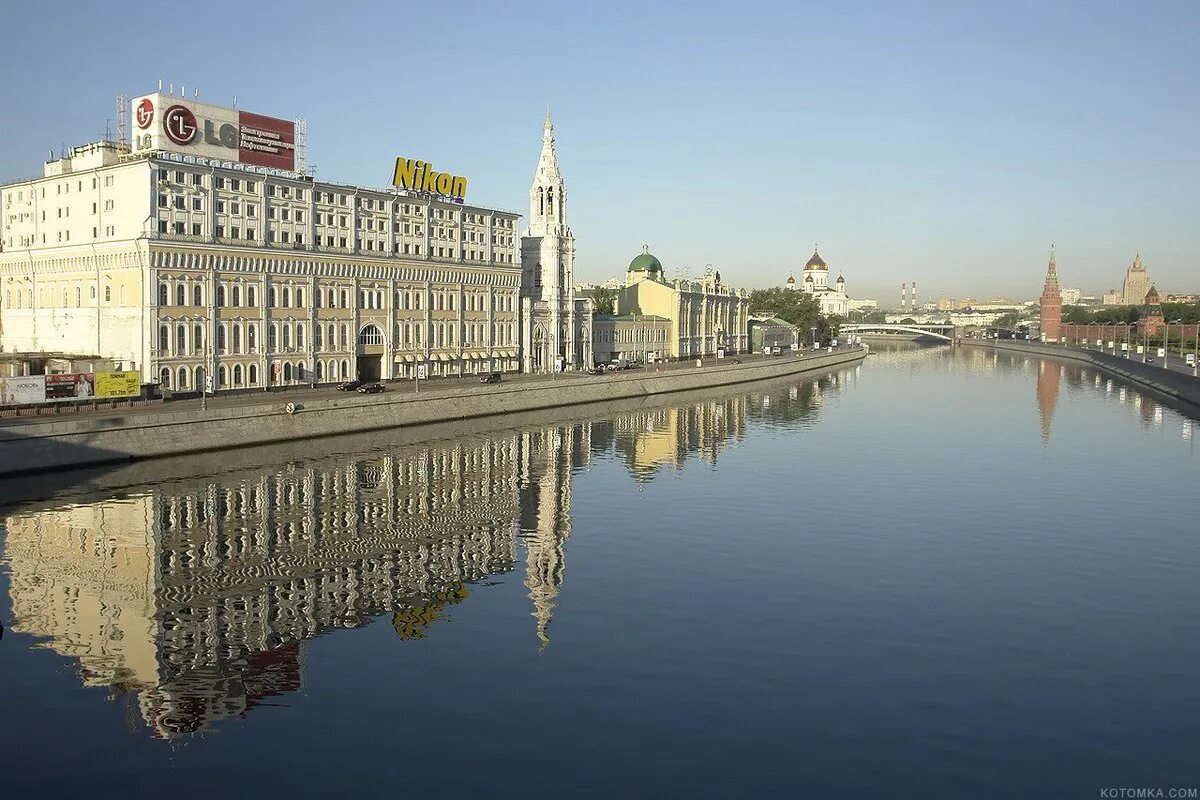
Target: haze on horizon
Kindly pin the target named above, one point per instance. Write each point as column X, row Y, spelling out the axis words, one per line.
column 944, row 143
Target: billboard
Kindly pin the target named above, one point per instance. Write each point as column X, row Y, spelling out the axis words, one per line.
column 118, row 384
column 165, row 122
column 35, row 389
column 23, row 390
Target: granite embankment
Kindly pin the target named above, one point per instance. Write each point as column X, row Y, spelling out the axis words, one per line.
column 1177, row 388
column 91, row 441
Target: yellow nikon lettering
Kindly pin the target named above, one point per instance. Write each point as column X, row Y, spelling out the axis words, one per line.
column 419, row 176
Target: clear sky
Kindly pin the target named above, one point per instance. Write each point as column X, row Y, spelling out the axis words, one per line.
column 947, row 143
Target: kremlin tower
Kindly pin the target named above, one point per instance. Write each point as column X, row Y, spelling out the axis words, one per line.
column 1051, row 303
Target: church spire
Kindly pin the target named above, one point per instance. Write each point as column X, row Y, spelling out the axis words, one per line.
column 547, row 194
column 1052, row 270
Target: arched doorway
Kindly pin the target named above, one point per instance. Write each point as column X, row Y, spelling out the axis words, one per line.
column 541, row 350
column 370, row 352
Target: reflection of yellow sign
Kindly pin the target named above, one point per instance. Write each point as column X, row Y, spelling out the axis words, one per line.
column 420, row 177
column 118, row 384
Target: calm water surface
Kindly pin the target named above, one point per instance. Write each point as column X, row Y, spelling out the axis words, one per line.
column 938, row 574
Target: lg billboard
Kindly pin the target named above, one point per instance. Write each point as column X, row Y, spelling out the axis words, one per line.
column 165, row 122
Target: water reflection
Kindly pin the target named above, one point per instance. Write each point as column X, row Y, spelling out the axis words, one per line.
column 191, row 600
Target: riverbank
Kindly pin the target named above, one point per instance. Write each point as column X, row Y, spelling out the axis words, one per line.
column 1183, row 391
column 108, row 439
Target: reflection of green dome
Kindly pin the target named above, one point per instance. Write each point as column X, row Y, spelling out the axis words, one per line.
column 645, row 262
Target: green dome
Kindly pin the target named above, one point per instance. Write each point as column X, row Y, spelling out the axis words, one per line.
column 645, row 262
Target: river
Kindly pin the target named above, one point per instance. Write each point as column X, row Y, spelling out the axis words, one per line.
column 938, row 573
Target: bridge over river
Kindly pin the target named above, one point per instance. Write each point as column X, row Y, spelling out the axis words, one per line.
column 943, row 332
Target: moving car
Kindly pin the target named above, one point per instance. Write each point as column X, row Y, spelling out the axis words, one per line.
column 491, row 377
column 349, row 386
column 370, row 388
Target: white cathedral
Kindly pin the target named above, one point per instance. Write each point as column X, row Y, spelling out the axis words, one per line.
column 815, row 281
column 556, row 327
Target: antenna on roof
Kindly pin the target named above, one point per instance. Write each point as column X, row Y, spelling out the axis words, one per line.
column 235, row 101
column 195, row 94
column 171, row 88
column 183, row 91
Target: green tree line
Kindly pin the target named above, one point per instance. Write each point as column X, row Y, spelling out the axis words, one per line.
column 1187, row 313
column 796, row 308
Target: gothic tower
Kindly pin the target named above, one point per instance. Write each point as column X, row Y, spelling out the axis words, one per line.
column 549, row 324
column 1051, row 303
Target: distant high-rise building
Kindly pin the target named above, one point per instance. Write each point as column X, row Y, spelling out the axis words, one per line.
column 1137, row 283
column 1050, row 303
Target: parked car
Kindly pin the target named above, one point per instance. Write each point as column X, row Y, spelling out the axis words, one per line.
column 596, row 370
column 491, row 377
column 370, row 388
column 349, row 386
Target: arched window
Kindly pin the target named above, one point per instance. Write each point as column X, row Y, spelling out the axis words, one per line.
column 251, row 337
column 163, row 294
column 320, row 371
column 287, row 372
column 287, row 297
column 222, row 377
column 252, row 372
column 92, row 292
column 237, row 374
column 332, row 299
column 180, row 295
column 299, row 298
column 317, row 335
column 199, row 383
column 272, row 296
column 221, row 339
column 180, row 340
column 237, row 295
column 250, row 297
column 370, row 335
column 198, row 296
column 108, row 294
column 164, row 338
column 198, row 338
column 164, row 377
column 300, row 336
column 272, row 338
column 220, row 295
column 182, row 383
column 78, row 297
column 345, row 369
column 345, row 298
column 301, row 372
column 287, row 335
column 362, row 298
column 332, row 342
column 345, row 337
column 237, row 337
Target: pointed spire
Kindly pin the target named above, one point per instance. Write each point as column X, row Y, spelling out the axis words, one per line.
column 548, row 128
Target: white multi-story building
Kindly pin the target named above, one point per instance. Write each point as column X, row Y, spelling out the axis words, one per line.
column 200, row 250
column 815, row 281
column 1072, row 297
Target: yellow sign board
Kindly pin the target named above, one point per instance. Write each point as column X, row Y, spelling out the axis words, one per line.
column 118, row 384
column 419, row 176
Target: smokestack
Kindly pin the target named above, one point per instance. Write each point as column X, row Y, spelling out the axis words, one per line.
column 160, row 84
column 914, row 296
column 171, row 88
column 903, row 295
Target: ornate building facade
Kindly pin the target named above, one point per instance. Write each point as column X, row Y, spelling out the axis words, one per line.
column 1050, row 304
column 705, row 315
column 556, row 329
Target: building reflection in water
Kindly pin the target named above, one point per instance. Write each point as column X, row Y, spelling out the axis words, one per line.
column 192, row 600
column 1049, row 373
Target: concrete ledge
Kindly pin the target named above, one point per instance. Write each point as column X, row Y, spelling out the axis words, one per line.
column 80, row 442
column 1180, row 390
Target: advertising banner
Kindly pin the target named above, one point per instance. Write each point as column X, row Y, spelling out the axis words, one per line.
column 179, row 125
column 69, row 386
column 118, row 384
column 23, row 390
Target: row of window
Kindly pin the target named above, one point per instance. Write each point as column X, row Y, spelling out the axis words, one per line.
column 294, row 297
column 188, row 339
column 18, row 298
column 631, row 335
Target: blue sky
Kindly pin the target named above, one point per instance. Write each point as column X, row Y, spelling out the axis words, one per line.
column 947, row 143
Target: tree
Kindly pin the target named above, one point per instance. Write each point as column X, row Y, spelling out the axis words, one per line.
column 1010, row 320
column 605, row 299
column 1076, row 315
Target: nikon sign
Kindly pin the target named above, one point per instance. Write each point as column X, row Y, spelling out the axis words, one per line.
column 420, row 176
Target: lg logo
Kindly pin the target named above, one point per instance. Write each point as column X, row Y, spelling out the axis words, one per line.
column 144, row 113
column 179, row 124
